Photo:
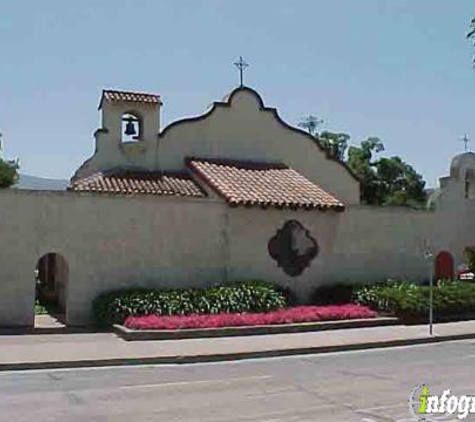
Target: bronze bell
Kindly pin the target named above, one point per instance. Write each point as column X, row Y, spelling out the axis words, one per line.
column 130, row 127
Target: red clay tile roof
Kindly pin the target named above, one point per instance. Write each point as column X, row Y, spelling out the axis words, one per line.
column 276, row 185
column 137, row 97
column 136, row 182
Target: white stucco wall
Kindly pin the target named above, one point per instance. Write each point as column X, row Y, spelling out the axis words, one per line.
column 362, row 244
column 111, row 242
column 108, row 242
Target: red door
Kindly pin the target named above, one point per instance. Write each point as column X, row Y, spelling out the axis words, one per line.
column 444, row 266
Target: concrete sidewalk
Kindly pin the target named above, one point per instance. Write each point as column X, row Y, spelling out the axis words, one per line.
column 106, row 349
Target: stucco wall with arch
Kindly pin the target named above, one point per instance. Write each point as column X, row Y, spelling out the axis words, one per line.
column 112, row 242
column 108, row 242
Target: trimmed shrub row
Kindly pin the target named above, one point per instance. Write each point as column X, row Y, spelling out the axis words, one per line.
column 114, row 307
column 452, row 299
column 411, row 301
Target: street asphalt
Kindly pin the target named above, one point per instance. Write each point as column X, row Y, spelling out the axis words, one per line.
column 364, row 386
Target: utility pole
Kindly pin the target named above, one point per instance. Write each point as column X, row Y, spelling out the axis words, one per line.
column 429, row 257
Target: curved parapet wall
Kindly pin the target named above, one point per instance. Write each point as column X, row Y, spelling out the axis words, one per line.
column 239, row 128
column 243, row 128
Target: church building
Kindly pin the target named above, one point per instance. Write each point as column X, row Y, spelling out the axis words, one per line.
column 234, row 194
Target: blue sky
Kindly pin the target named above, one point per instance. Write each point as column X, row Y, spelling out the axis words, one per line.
column 400, row 70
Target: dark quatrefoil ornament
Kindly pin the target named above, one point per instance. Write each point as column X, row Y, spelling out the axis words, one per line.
column 293, row 248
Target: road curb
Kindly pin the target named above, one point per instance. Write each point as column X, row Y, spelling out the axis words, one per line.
column 141, row 335
column 189, row 359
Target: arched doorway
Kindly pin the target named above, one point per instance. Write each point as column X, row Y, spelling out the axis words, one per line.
column 444, row 266
column 51, row 276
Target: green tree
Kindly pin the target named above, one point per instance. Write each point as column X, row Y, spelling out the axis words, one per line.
column 471, row 34
column 385, row 181
column 310, row 123
column 400, row 184
column 360, row 161
column 469, row 253
column 8, row 174
column 8, row 170
column 335, row 143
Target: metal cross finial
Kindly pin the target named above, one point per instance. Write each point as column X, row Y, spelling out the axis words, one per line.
column 465, row 139
column 241, row 65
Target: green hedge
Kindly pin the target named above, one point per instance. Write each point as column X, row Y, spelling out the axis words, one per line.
column 115, row 306
column 411, row 301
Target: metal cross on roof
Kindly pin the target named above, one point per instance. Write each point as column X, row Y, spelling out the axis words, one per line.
column 465, row 139
column 241, row 65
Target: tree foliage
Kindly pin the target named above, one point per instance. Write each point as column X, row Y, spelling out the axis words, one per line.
column 8, row 174
column 471, row 34
column 384, row 180
column 360, row 161
column 335, row 143
column 310, row 123
column 387, row 180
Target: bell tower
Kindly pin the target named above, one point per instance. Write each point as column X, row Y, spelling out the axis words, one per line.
column 130, row 116
column 128, row 136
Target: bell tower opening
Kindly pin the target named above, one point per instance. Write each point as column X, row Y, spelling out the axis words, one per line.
column 131, row 127
column 129, row 117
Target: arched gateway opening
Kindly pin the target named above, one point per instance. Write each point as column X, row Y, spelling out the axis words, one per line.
column 51, row 276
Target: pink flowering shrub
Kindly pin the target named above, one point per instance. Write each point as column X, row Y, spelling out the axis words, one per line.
column 280, row 316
